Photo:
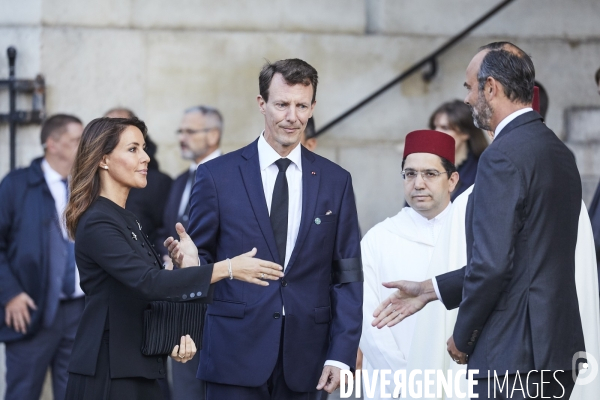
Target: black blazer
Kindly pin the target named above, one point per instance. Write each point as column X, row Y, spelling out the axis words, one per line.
column 120, row 274
column 171, row 209
column 148, row 204
column 518, row 302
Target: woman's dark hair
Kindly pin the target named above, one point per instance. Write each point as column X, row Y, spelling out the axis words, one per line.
column 460, row 120
column 100, row 137
column 294, row 71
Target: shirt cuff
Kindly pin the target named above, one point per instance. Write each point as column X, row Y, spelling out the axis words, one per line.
column 338, row 364
column 437, row 290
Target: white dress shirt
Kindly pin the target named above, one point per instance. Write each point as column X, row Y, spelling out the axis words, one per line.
column 58, row 191
column 268, row 172
column 507, row 120
column 185, row 197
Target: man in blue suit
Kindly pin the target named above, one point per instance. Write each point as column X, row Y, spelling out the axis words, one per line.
column 39, row 286
column 289, row 339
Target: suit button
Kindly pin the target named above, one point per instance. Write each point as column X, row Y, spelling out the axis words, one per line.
column 283, row 283
column 470, row 343
column 184, row 296
column 199, row 294
column 276, row 315
column 161, row 371
column 150, row 254
column 154, row 262
column 192, row 295
column 143, row 244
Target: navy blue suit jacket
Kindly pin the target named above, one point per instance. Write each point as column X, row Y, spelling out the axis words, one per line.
column 518, row 302
column 27, row 216
column 323, row 318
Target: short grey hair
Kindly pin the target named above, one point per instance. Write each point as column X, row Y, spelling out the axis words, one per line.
column 209, row 112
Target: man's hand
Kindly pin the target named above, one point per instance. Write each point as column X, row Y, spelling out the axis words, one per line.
column 410, row 298
column 17, row 312
column 183, row 252
column 330, row 379
column 455, row 354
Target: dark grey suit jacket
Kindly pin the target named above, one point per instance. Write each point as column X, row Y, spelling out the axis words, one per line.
column 518, row 302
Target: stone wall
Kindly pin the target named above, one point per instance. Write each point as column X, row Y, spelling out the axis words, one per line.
column 159, row 57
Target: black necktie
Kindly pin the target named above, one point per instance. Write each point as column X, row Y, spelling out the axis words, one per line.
column 279, row 208
column 68, row 284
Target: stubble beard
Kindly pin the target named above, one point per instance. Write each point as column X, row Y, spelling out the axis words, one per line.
column 482, row 113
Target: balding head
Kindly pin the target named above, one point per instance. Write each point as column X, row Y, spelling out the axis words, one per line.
column 511, row 67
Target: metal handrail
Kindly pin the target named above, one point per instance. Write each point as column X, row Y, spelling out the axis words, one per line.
column 431, row 59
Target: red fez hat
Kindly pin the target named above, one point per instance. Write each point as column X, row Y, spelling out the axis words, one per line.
column 535, row 104
column 426, row 141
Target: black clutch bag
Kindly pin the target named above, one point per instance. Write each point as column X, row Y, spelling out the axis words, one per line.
column 165, row 322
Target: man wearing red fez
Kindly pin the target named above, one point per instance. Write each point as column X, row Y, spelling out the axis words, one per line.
column 402, row 247
column 529, row 247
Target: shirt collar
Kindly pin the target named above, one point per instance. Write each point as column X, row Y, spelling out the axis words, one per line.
column 508, row 120
column 209, row 157
column 418, row 218
column 50, row 174
column 267, row 155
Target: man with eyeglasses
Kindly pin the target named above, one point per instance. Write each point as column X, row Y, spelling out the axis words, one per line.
column 199, row 136
column 402, row 247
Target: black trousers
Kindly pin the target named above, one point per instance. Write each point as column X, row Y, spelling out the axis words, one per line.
column 557, row 385
column 274, row 389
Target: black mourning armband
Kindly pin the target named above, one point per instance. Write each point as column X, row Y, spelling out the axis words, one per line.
column 347, row 270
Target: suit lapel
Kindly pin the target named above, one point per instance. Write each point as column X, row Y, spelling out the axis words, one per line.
column 250, row 171
column 310, row 191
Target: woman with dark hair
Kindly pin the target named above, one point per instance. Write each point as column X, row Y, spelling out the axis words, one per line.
column 455, row 119
column 120, row 271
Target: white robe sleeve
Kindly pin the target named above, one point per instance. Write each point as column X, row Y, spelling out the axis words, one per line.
column 378, row 345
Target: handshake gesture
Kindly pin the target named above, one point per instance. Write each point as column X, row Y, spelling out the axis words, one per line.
column 244, row 267
column 409, row 299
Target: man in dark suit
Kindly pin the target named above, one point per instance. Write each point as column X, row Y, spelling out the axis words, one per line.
column 199, row 137
column 39, row 285
column 290, row 339
column 518, row 309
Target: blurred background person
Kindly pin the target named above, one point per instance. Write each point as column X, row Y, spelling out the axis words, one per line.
column 199, row 136
column 39, row 284
column 544, row 99
column 594, row 209
column 455, row 119
column 309, row 137
column 148, row 203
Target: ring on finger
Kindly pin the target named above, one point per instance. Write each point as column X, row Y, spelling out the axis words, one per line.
column 262, row 276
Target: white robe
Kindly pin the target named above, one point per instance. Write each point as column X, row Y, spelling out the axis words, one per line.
column 434, row 324
column 396, row 249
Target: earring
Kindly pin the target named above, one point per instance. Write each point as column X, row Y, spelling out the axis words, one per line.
column 105, row 167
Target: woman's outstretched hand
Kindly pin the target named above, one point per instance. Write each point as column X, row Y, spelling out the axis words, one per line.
column 183, row 252
column 254, row 270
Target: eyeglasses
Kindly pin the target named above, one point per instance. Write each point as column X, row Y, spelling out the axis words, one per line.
column 192, row 131
column 428, row 175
